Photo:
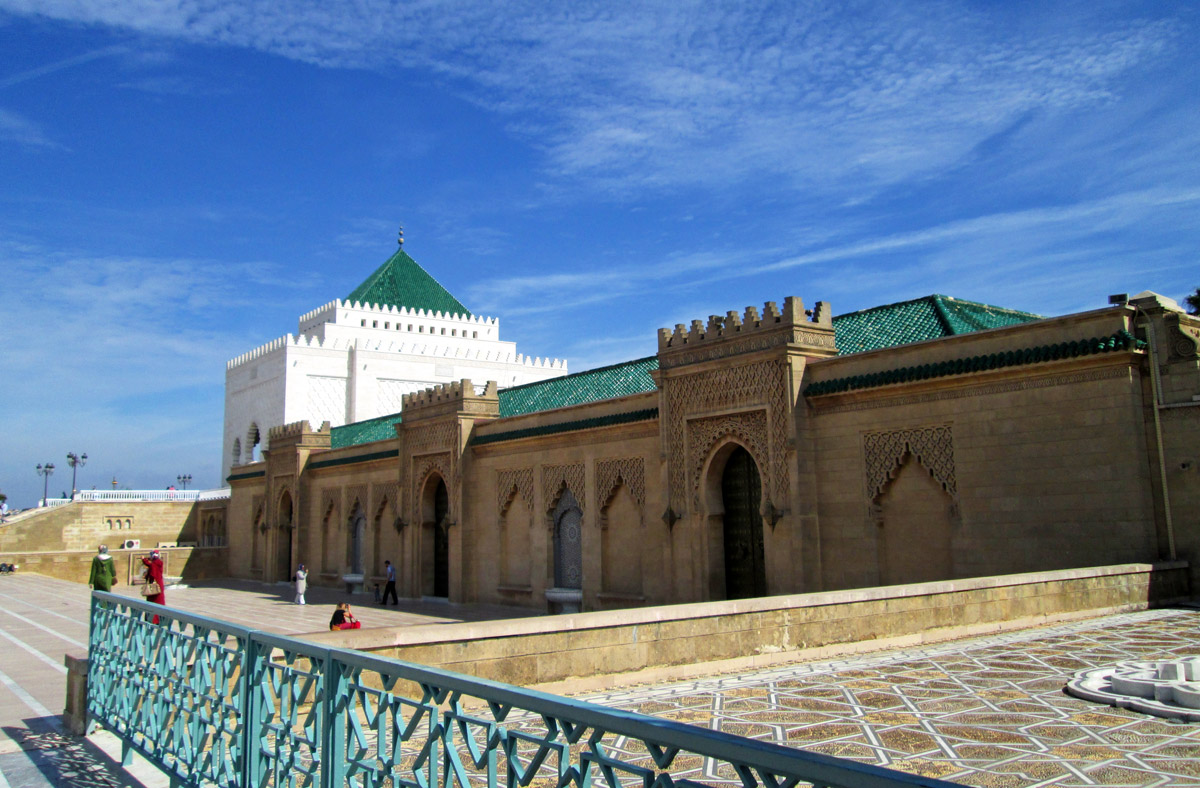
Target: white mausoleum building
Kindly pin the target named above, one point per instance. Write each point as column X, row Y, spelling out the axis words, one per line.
column 354, row 359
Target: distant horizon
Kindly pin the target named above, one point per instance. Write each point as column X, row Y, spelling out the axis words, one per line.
column 183, row 181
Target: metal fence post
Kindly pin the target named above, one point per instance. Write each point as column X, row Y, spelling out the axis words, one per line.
column 333, row 722
column 250, row 768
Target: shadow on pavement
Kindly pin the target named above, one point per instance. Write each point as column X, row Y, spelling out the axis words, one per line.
column 50, row 757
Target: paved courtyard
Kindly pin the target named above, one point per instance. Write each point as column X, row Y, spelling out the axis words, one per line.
column 985, row 711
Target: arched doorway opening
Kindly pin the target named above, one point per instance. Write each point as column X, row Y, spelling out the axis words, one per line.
column 283, row 537
column 435, row 539
column 742, row 531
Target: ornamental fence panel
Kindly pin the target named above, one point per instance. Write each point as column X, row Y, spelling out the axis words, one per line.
column 214, row 704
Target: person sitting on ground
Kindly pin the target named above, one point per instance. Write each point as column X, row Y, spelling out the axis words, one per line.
column 342, row 619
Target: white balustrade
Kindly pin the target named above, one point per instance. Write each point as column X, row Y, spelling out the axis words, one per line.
column 150, row 495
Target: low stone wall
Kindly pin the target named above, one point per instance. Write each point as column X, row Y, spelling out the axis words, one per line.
column 188, row 563
column 680, row 640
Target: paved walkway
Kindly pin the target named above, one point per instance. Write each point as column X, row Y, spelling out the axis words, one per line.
column 984, row 711
column 987, row 711
column 43, row 619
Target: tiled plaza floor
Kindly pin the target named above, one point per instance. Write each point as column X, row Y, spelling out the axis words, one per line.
column 987, row 711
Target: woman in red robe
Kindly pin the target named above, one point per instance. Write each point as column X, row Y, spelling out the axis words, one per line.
column 154, row 574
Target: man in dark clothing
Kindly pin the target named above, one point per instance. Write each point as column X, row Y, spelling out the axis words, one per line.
column 390, row 588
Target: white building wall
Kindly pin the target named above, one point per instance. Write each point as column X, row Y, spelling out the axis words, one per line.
column 353, row 362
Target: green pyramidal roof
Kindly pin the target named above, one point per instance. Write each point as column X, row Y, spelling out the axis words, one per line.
column 402, row 282
column 930, row 317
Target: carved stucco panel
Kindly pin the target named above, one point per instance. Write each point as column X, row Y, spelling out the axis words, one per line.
column 386, row 493
column 356, row 494
column 256, row 506
column 555, row 476
column 422, row 468
column 749, row 427
column 630, row 470
column 511, row 482
column 932, row 446
column 762, row 384
column 331, row 499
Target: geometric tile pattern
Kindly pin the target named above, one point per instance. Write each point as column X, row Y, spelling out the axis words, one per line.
column 986, row 711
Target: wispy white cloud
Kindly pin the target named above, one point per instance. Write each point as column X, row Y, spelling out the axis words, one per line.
column 19, row 129
column 846, row 99
column 940, row 256
column 59, row 65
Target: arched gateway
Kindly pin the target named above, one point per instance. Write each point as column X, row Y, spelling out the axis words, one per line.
column 742, row 531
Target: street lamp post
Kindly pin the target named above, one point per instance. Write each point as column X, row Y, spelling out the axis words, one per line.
column 45, row 471
column 75, row 460
column 184, row 480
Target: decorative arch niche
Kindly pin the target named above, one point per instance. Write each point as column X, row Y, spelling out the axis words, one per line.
column 912, row 497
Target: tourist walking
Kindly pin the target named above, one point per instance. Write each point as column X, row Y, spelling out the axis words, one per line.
column 301, row 584
column 104, row 572
column 155, row 589
column 390, row 588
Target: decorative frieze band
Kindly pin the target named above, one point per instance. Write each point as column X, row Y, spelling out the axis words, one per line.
column 883, row 401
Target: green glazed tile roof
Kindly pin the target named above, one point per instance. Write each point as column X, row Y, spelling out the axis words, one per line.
column 631, row 377
column 402, row 282
column 377, row 429
column 930, row 317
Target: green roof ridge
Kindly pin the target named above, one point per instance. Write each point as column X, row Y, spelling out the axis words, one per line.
column 402, row 282
column 919, row 319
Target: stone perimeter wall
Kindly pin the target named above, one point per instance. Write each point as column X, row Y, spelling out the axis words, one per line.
column 679, row 640
column 187, row 563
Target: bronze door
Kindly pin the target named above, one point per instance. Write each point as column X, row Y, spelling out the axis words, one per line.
column 745, row 563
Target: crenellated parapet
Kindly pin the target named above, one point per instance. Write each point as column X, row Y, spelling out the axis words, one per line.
column 344, row 312
column 458, row 397
column 299, row 433
column 427, row 346
column 734, row 333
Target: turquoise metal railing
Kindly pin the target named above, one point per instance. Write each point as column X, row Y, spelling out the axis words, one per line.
column 217, row 704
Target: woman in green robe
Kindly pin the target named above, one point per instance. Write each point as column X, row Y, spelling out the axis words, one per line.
column 104, row 572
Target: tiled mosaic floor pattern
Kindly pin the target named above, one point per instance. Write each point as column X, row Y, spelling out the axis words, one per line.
column 987, row 711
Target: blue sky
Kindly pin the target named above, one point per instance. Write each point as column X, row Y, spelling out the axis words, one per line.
column 179, row 181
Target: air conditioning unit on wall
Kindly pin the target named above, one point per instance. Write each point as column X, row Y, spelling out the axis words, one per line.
column 131, row 544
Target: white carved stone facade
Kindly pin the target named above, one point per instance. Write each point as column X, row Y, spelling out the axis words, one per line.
column 351, row 362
